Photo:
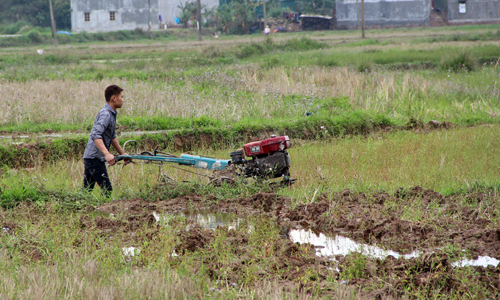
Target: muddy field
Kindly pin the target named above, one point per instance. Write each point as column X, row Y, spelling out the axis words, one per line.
column 374, row 219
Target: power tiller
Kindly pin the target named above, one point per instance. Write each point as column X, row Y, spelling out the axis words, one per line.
column 264, row 159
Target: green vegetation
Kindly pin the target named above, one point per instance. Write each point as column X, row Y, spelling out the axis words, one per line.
column 451, row 162
column 16, row 15
column 200, row 132
column 98, row 267
column 49, row 220
column 300, row 87
column 231, row 86
column 371, row 121
column 39, row 36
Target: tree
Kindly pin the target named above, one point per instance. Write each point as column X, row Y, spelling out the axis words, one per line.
column 36, row 12
column 188, row 12
column 236, row 16
column 322, row 7
column 211, row 17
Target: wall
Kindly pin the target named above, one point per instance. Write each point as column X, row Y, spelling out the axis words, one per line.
column 129, row 14
column 383, row 13
column 169, row 11
column 475, row 11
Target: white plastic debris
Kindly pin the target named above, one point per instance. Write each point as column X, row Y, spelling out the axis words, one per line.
column 39, row 51
column 156, row 216
column 131, row 251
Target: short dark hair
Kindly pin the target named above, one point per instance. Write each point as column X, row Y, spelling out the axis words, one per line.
column 112, row 90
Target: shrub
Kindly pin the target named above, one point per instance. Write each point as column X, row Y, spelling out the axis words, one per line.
column 248, row 50
column 461, row 62
column 25, row 29
column 35, row 37
column 275, row 12
column 139, row 32
column 355, row 266
column 327, row 61
column 99, row 36
column 271, row 63
column 85, row 36
column 301, row 44
column 63, row 38
column 213, row 52
column 121, row 35
column 14, row 28
column 365, row 66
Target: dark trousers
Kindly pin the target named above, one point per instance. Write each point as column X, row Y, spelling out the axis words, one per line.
column 95, row 171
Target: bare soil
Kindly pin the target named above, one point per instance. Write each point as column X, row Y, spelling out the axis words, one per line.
column 373, row 219
column 468, row 221
column 368, row 219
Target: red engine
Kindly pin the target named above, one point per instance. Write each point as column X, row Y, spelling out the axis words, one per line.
column 268, row 158
column 274, row 144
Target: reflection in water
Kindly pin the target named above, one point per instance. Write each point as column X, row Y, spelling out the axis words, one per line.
column 213, row 220
column 482, row 261
column 340, row 245
column 327, row 246
column 205, row 220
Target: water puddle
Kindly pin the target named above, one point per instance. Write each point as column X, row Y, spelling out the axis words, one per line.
column 325, row 246
column 340, row 245
column 481, row 261
column 205, row 220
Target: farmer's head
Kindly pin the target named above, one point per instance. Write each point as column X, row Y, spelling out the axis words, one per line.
column 114, row 96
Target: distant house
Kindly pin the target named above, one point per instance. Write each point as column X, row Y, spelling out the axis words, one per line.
column 383, row 13
column 472, row 11
column 112, row 15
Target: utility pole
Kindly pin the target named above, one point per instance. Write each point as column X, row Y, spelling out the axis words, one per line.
column 265, row 17
column 198, row 18
column 363, row 18
column 53, row 23
column 357, row 15
column 149, row 15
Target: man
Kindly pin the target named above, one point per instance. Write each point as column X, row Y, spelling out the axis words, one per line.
column 267, row 30
column 103, row 135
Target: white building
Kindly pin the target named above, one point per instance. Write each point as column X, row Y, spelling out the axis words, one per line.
column 112, row 15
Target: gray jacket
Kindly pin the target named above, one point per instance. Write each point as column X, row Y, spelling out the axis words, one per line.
column 105, row 129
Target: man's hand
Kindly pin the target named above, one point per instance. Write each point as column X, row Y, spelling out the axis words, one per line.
column 110, row 159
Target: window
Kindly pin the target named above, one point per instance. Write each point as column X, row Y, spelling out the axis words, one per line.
column 112, row 16
column 87, row 16
column 462, row 8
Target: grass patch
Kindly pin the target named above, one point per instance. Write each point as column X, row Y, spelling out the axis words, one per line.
column 450, row 162
column 244, row 51
column 37, row 37
column 461, row 62
column 200, row 134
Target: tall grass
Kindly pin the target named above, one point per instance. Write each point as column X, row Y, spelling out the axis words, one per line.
column 451, row 161
column 248, row 92
column 38, row 36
